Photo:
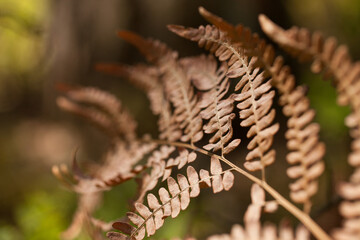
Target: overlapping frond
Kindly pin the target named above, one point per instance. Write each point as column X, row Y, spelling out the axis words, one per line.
column 334, row 61
column 255, row 97
column 120, row 162
column 326, row 55
column 306, row 150
column 177, row 84
column 100, row 107
column 216, row 106
column 147, row 219
column 148, row 79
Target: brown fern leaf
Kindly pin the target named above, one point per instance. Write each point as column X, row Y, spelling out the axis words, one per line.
column 180, row 161
column 172, row 200
column 240, row 34
column 217, row 108
column 307, row 151
column 147, row 78
column 255, row 98
column 350, row 208
column 219, row 182
column 176, row 83
column 326, row 55
column 106, row 109
column 158, row 169
column 302, row 135
column 96, row 117
column 161, row 167
column 120, row 165
column 334, row 61
column 144, row 77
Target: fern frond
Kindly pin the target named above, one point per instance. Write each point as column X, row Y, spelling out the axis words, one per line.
column 144, row 77
column 326, row 55
column 217, row 108
column 350, row 208
column 106, row 110
column 334, row 61
column 120, row 165
column 172, row 201
column 308, row 156
column 157, row 163
column 307, row 151
column 147, row 78
column 176, row 83
column 255, row 98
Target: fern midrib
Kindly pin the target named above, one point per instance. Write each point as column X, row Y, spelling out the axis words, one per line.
column 166, row 116
column 218, row 121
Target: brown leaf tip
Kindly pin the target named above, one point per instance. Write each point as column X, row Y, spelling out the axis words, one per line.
column 175, row 28
column 266, row 24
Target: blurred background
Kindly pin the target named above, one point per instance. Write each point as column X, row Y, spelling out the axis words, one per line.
column 43, row 42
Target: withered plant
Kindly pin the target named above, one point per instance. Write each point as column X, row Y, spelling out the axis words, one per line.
column 197, row 100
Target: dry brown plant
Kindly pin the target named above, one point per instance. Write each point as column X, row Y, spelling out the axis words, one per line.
column 196, row 99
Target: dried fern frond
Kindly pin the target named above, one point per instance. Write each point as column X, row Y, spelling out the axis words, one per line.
column 157, row 163
column 121, row 159
column 147, row 78
column 326, row 55
column 144, row 77
column 175, row 198
column 176, row 83
column 120, row 165
column 334, row 61
column 350, row 206
column 105, row 110
column 192, row 97
column 255, row 97
column 306, row 150
column 216, row 106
